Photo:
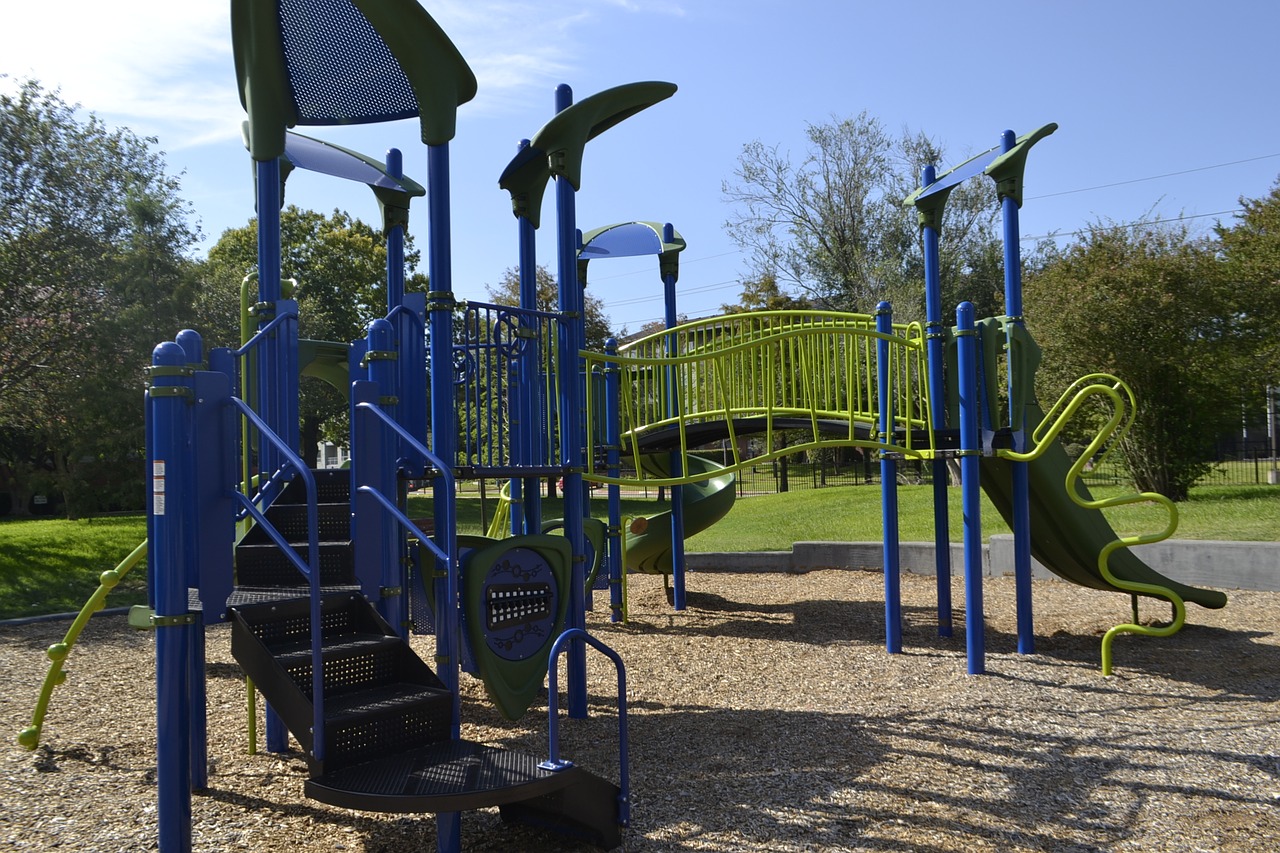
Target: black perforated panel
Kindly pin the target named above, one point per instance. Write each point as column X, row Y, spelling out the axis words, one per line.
column 340, row 69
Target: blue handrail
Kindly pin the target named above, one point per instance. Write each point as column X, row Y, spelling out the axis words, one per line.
column 448, row 640
column 554, row 762
column 259, row 336
column 429, row 458
column 311, row 570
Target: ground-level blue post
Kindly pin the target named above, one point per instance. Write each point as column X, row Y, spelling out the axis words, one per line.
column 168, row 466
column 934, row 339
column 193, row 347
column 381, row 370
column 677, row 459
column 967, row 367
column 526, row 496
column 888, row 485
column 443, row 442
column 613, row 438
column 572, row 424
column 1020, row 473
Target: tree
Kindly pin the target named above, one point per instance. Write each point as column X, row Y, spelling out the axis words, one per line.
column 93, row 272
column 507, row 292
column 340, row 265
column 1251, row 251
column 833, row 225
column 1149, row 304
column 762, row 293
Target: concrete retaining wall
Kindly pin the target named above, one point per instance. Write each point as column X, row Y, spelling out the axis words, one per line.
column 1222, row 565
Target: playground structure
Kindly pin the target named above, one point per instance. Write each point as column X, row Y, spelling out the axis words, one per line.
column 311, row 568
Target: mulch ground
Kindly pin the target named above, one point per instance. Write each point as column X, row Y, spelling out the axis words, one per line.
column 765, row 716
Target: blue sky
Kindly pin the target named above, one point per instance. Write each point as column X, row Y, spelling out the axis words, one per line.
column 1164, row 107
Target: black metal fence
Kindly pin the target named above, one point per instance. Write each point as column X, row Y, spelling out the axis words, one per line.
column 1237, row 464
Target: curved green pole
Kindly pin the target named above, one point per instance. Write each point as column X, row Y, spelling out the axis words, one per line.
column 30, row 736
column 1108, row 436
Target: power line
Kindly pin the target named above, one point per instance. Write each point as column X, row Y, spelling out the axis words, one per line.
column 720, row 285
column 1157, row 177
column 1117, row 227
column 683, row 262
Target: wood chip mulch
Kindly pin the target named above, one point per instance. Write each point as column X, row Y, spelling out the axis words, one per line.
column 767, row 716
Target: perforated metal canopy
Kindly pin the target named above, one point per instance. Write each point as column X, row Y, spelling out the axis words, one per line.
column 327, row 62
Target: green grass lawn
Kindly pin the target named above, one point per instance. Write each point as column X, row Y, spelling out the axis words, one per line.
column 53, row 565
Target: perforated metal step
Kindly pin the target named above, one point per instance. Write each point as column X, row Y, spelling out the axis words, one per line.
column 450, row 776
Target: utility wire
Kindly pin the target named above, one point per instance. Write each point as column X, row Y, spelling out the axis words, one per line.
column 1117, row 227
column 1156, row 177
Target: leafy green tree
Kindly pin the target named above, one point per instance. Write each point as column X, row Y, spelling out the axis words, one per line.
column 1149, row 304
column 832, row 225
column 762, row 293
column 93, row 273
column 339, row 263
column 1251, row 251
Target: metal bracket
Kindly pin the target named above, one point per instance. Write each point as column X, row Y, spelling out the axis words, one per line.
column 170, row 391
column 144, row 618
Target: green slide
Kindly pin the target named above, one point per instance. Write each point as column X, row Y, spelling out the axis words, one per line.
column 1067, row 538
column 705, row 503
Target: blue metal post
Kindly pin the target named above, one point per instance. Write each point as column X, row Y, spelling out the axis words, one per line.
column 1019, row 471
column 677, row 460
column 967, row 366
column 168, row 466
column 443, row 445
column 395, row 240
column 935, row 338
column 888, row 486
column 382, row 372
column 531, row 418
column 572, row 424
column 613, row 438
column 268, row 404
column 193, row 348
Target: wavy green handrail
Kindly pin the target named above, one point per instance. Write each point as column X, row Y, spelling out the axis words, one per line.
column 107, row 581
column 1117, row 426
column 806, row 365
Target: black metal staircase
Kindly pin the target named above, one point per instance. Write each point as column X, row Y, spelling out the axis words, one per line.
column 387, row 741
column 265, row 573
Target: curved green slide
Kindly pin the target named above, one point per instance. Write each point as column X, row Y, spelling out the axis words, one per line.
column 705, row 502
column 1067, row 538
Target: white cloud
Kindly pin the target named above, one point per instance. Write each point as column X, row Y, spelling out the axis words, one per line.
column 148, row 64
column 165, row 68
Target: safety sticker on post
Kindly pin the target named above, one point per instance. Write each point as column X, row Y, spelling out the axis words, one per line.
column 157, row 487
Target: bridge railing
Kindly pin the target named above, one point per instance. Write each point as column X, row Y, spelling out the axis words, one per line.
column 811, row 374
column 505, row 374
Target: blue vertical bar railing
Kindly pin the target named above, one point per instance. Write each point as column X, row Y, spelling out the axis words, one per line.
column 499, row 362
